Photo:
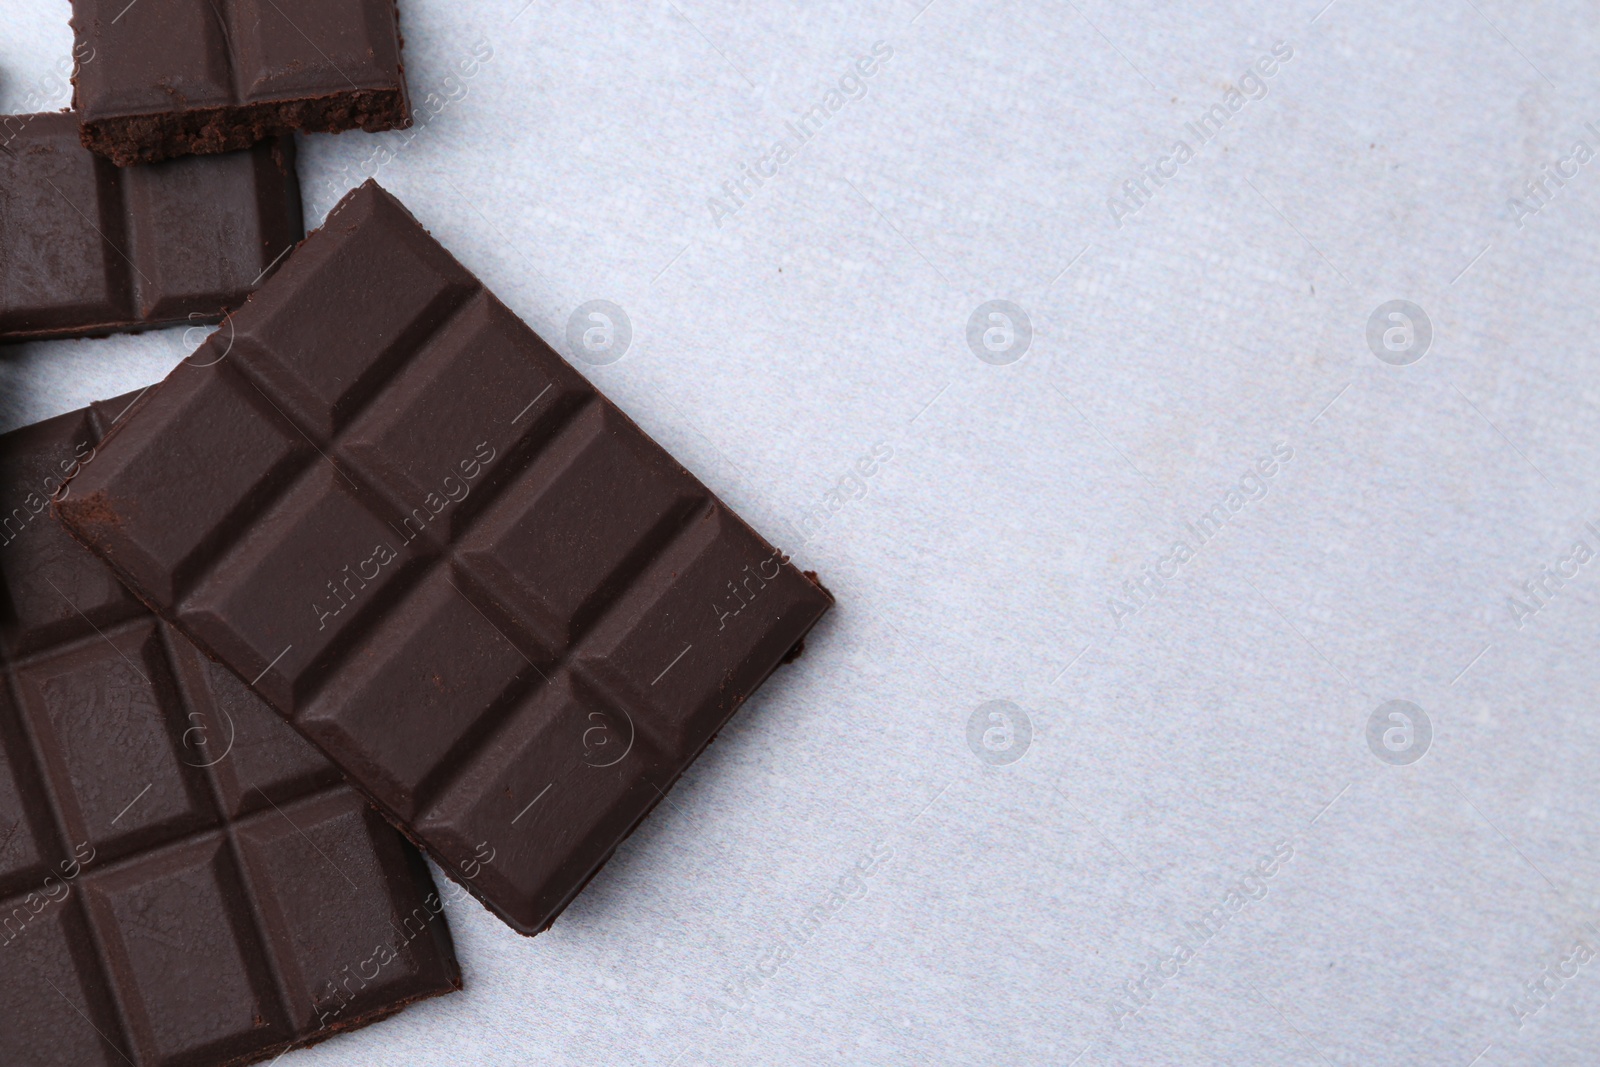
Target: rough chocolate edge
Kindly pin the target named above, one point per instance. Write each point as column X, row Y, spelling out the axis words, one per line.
column 134, row 139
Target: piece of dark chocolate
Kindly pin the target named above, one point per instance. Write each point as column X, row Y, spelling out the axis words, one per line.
column 163, row 78
column 88, row 249
column 183, row 880
column 506, row 613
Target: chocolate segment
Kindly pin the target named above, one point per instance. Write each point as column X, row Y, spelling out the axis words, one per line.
column 509, row 616
column 183, row 879
column 87, row 249
column 164, row 78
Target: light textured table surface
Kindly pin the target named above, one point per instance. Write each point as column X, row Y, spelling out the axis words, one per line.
column 1203, row 854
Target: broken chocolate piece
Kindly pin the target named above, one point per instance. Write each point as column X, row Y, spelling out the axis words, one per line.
column 509, row 616
column 87, row 249
column 164, row 78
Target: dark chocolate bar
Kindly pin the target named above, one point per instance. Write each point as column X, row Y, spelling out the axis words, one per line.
column 88, row 249
column 506, row 613
column 163, row 78
column 183, row 880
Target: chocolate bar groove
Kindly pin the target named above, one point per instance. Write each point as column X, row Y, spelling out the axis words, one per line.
column 431, row 554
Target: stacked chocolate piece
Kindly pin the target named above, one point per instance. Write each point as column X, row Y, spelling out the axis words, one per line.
column 373, row 548
column 184, row 878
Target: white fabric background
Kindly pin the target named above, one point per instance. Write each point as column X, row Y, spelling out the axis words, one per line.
column 1172, row 752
